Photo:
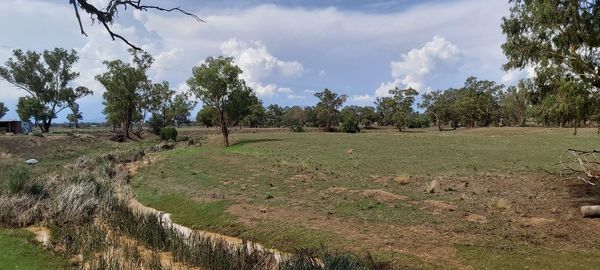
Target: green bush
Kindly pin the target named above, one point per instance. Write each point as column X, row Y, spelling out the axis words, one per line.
column 297, row 128
column 350, row 125
column 155, row 124
column 168, row 134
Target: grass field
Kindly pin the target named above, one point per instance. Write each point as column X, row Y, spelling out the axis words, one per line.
column 493, row 205
column 20, row 252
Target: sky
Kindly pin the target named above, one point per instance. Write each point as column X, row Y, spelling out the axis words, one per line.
column 287, row 49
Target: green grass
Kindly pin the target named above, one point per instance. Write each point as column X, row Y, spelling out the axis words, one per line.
column 297, row 171
column 521, row 257
column 18, row 251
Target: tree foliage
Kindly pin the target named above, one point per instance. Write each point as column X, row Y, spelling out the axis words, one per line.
column 46, row 78
column 218, row 84
column 328, row 108
column 396, row 108
column 125, row 86
column 3, row 110
column 207, row 116
column 557, row 33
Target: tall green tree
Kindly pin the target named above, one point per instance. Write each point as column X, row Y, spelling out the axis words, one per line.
column 328, row 108
column 396, row 108
column 557, row 33
column 3, row 110
column 218, row 84
column 440, row 106
column 125, row 85
column 180, row 108
column 47, row 79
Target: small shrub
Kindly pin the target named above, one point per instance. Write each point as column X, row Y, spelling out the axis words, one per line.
column 297, row 128
column 37, row 133
column 168, row 134
column 350, row 125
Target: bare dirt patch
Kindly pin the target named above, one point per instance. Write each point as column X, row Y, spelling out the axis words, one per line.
column 382, row 196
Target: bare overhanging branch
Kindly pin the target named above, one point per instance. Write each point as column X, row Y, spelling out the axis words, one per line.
column 107, row 15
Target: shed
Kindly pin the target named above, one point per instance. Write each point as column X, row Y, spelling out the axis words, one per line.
column 15, row 126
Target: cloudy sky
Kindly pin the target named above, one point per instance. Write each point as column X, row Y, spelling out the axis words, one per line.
column 287, row 49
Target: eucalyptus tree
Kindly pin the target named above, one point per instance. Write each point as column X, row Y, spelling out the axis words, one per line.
column 126, row 85
column 559, row 33
column 396, row 108
column 47, row 79
column 328, row 108
column 217, row 83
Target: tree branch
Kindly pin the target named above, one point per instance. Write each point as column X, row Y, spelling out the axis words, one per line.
column 106, row 16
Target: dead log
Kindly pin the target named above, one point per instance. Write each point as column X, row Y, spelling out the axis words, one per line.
column 118, row 138
column 591, row 211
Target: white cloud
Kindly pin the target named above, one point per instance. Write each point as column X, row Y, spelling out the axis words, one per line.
column 513, row 76
column 417, row 64
column 258, row 63
column 363, row 98
column 384, row 88
column 292, row 96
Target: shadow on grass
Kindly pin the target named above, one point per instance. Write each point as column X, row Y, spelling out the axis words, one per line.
column 251, row 141
column 584, row 194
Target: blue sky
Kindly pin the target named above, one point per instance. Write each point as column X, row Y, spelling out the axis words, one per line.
column 287, row 49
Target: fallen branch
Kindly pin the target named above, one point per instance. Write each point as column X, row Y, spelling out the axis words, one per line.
column 583, row 165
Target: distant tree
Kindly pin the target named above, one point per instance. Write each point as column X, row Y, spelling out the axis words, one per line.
column 440, row 106
column 368, row 116
column 75, row 115
column 46, row 78
column 180, row 108
column 514, row 103
column 486, row 95
column 294, row 116
column 207, row 116
column 396, row 108
column 328, row 108
column 310, row 116
column 257, row 115
column 550, row 34
column 125, row 86
column 418, row 120
column 274, row 116
column 217, row 83
column 3, row 110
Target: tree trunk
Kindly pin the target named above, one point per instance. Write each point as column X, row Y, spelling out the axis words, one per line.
column 224, row 129
column 126, row 124
column 46, row 126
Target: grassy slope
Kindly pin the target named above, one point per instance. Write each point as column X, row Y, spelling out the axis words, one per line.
column 18, row 251
column 256, row 171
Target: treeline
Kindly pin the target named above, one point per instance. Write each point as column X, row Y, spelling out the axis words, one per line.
column 132, row 101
